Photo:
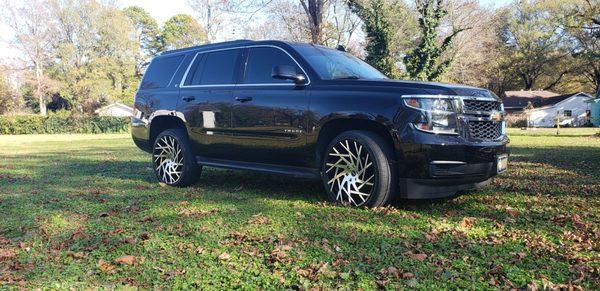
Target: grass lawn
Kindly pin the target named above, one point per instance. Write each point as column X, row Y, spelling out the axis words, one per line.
column 81, row 211
column 571, row 132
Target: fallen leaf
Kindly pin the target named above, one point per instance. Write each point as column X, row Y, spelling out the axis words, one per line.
column 7, row 254
column 512, row 212
column 418, row 257
column 393, row 271
column 224, row 257
column 127, row 260
column 77, row 255
column 258, row 219
column 141, row 187
column 467, row 222
column 105, row 266
column 144, row 236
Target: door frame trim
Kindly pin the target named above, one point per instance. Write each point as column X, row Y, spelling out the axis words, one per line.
column 181, row 83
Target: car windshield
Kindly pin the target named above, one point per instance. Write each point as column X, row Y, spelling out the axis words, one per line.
column 334, row 65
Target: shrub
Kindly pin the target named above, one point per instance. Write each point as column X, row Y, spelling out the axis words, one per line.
column 516, row 120
column 62, row 123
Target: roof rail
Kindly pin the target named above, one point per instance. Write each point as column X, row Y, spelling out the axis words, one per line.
column 210, row 45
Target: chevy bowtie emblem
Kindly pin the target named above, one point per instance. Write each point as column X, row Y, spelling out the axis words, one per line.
column 496, row 116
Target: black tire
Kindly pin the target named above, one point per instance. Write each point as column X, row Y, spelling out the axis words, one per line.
column 381, row 172
column 185, row 163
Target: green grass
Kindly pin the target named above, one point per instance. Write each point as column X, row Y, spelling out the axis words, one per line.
column 572, row 131
column 71, row 205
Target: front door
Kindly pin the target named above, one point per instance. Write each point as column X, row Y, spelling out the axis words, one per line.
column 268, row 116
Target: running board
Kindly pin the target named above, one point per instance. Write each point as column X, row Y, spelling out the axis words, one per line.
column 299, row 172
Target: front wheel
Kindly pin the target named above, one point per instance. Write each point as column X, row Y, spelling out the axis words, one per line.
column 357, row 170
column 173, row 159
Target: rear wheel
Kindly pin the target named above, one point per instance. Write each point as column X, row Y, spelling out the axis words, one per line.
column 173, row 159
column 356, row 170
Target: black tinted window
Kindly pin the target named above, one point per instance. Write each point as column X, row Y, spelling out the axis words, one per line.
column 160, row 72
column 261, row 61
column 215, row 68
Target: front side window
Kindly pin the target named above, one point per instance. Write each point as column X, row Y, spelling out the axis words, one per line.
column 260, row 64
column 214, row 68
column 160, row 72
column 568, row 113
column 333, row 64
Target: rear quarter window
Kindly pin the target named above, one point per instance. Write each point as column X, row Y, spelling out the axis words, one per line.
column 161, row 71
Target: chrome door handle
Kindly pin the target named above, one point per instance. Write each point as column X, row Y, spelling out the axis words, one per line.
column 243, row 99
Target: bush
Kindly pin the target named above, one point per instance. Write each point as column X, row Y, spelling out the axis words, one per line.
column 516, row 120
column 62, row 123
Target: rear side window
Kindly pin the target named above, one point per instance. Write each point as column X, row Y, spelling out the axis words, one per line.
column 261, row 61
column 160, row 72
column 214, row 68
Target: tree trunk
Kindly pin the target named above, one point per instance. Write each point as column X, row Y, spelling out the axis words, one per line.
column 39, row 92
column 314, row 11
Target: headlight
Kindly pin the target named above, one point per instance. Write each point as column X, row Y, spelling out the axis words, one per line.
column 437, row 114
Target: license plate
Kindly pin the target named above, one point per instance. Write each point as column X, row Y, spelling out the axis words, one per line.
column 502, row 163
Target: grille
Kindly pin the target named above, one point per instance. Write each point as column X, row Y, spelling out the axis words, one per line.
column 485, row 130
column 478, row 105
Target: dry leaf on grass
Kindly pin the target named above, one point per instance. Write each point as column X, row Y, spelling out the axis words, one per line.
column 467, row 222
column 418, row 257
column 105, row 266
column 224, row 257
column 127, row 260
column 77, row 255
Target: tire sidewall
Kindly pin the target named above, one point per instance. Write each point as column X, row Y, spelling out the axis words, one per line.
column 190, row 169
column 384, row 179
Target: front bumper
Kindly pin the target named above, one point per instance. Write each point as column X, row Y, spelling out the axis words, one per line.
column 436, row 166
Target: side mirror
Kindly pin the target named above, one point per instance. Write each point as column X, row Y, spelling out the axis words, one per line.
column 284, row 72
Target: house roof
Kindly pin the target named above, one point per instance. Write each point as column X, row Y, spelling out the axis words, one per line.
column 116, row 104
column 562, row 98
column 518, row 100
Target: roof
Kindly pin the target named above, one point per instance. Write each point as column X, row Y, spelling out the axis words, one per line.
column 205, row 46
column 233, row 43
column 518, row 100
column 549, row 102
column 530, row 94
column 116, row 104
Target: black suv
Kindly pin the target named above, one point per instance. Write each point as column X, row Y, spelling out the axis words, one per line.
column 314, row 112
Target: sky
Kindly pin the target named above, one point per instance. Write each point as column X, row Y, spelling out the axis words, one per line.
column 161, row 10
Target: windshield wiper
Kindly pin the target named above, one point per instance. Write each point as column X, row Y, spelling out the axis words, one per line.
column 347, row 78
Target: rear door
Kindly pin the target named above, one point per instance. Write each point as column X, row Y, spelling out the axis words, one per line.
column 206, row 100
column 269, row 115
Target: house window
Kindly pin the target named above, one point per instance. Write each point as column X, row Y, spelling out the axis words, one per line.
column 567, row 113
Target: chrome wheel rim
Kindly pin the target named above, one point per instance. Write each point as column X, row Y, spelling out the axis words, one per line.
column 168, row 159
column 350, row 173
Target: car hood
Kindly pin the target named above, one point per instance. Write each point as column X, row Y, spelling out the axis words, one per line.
column 414, row 87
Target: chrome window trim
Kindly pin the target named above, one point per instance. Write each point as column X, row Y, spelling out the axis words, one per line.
column 440, row 96
column 181, row 83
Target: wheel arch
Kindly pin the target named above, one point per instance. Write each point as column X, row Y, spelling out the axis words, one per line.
column 333, row 127
column 161, row 123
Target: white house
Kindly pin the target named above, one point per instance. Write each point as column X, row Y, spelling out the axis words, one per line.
column 572, row 111
column 116, row 110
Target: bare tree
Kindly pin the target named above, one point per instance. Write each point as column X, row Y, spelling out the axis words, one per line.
column 34, row 34
column 343, row 24
column 211, row 15
column 314, row 10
